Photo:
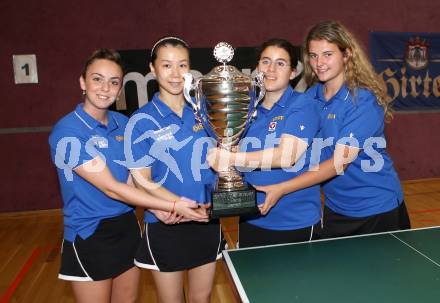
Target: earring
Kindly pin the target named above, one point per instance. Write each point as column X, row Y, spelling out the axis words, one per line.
column 84, row 92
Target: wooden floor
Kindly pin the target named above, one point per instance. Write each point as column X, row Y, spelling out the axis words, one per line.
column 30, row 246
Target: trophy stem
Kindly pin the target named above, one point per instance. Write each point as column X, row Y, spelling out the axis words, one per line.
column 226, row 101
column 230, row 180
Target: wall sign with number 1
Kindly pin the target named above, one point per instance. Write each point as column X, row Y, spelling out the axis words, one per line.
column 25, row 69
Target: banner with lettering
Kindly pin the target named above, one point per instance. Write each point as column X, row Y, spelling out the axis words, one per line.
column 140, row 85
column 409, row 63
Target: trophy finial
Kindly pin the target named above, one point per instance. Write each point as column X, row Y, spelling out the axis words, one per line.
column 223, row 52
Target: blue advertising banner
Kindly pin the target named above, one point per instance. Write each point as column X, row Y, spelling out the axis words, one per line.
column 409, row 63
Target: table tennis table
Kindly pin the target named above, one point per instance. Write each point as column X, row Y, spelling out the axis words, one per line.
column 401, row 266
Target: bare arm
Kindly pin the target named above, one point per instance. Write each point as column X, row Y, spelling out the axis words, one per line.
column 97, row 173
column 285, row 155
column 143, row 181
column 326, row 170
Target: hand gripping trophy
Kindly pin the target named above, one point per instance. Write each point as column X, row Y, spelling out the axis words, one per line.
column 225, row 101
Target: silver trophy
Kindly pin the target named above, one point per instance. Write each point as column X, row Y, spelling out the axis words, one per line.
column 225, row 101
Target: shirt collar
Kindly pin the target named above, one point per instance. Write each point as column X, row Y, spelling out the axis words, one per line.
column 285, row 97
column 112, row 121
column 283, row 101
column 164, row 110
column 342, row 94
column 92, row 123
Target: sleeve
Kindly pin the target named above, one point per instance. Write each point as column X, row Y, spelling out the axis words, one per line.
column 363, row 119
column 68, row 148
column 303, row 123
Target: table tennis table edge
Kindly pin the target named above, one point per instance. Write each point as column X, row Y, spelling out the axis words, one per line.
column 332, row 239
column 233, row 273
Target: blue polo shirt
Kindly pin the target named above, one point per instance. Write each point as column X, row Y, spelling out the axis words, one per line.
column 297, row 116
column 173, row 147
column 370, row 184
column 76, row 139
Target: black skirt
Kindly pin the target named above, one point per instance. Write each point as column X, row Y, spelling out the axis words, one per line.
column 109, row 252
column 337, row 225
column 177, row 247
column 250, row 235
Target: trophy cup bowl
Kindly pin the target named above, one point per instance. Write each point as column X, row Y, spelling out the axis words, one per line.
column 225, row 102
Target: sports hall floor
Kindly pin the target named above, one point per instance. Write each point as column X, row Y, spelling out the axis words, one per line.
column 30, row 245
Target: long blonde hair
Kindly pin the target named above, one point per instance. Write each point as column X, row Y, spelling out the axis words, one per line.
column 358, row 70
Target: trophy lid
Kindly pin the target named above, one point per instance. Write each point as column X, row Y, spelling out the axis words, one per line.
column 227, row 73
column 223, row 52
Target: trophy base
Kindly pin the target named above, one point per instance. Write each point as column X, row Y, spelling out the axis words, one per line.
column 234, row 202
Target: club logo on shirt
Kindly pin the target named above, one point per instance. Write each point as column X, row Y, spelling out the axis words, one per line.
column 99, row 141
column 273, row 123
column 165, row 133
column 119, row 138
column 197, row 127
column 302, row 127
column 272, row 126
column 331, row 116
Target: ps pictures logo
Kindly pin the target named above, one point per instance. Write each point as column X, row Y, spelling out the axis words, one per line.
column 416, row 55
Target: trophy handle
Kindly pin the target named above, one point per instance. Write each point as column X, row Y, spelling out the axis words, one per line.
column 259, row 81
column 187, row 88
